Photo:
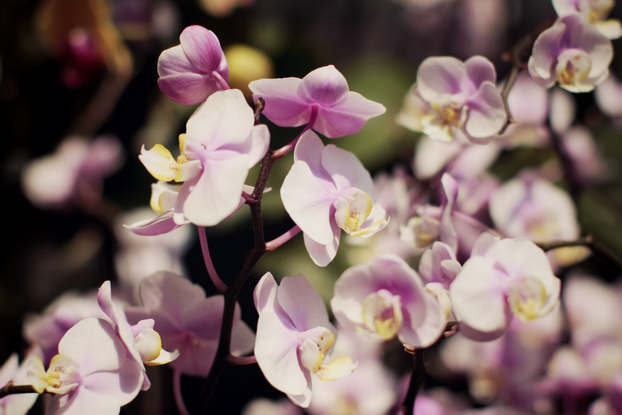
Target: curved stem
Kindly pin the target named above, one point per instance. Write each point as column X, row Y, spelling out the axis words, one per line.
column 223, row 84
column 289, row 147
column 275, row 243
column 241, row 361
column 11, row 389
column 589, row 241
column 179, row 399
column 221, row 287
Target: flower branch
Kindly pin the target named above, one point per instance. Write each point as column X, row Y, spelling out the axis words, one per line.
column 221, row 287
column 589, row 241
column 11, row 389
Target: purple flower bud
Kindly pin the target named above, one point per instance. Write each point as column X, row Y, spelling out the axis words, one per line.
column 192, row 71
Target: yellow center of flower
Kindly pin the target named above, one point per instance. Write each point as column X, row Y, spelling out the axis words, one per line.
column 527, row 298
column 382, row 314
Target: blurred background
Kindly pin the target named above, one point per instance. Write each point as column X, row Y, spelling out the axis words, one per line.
column 78, row 82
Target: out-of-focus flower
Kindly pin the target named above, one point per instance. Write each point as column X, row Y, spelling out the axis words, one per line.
column 47, row 329
column 139, row 257
column 216, row 153
column 83, row 36
column 432, row 223
column 608, row 96
column 143, row 344
column 90, row 371
column 593, row 12
column 195, row 69
column 536, row 209
column 369, row 390
column 247, row 64
column 262, row 406
column 17, row 404
column 386, row 298
column 76, row 170
column 322, row 98
column 326, row 190
column 502, row 278
column 505, row 370
column 294, row 337
column 222, row 8
column 528, row 104
column 188, row 321
column 463, row 97
column 573, row 53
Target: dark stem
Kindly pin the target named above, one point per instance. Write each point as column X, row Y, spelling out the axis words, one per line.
column 589, row 241
column 11, row 389
column 232, row 294
column 416, row 380
column 241, row 361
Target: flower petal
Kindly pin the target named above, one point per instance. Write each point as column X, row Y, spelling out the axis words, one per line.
column 302, row 303
column 283, row 105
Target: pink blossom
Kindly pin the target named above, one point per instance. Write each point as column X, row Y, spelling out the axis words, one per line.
column 463, row 97
column 195, row 69
column 188, row 321
column 573, row 53
column 593, row 12
column 386, row 298
column 322, row 96
column 91, row 373
column 17, row 404
column 220, row 146
column 294, row 337
column 76, row 169
column 326, row 190
column 502, row 278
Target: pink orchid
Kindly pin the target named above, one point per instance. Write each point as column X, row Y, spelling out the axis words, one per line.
column 463, row 97
column 57, row 179
column 195, row 69
column 294, row 337
column 502, row 278
column 220, row 146
column 91, row 374
column 143, row 344
column 188, row 321
column 573, row 53
column 322, row 98
column 17, row 404
column 593, row 12
column 386, row 298
column 326, row 190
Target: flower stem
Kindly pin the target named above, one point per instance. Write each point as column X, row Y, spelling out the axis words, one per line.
column 223, row 84
column 275, row 243
column 179, row 399
column 231, row 295
column 416, row 380
column 11, row 389
column 589, row 241
column 289, row 147
column 221, row 287
column 241, row 361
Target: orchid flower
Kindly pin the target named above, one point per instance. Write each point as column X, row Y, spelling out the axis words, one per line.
column 91, row 374
column 573, row 53
column 322, row 98
column 294, row 337
column 593, row 12
column 220, row 146
column 195, row 69
column 502, row 278
column 463, row 98
column 188, row 321
column 143, row 344
column 326, row 190
column 386, row 298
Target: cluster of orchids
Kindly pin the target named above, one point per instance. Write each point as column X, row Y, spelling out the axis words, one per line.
column 450, row 250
